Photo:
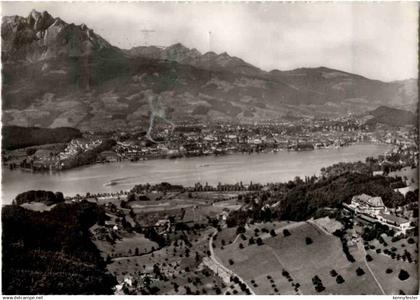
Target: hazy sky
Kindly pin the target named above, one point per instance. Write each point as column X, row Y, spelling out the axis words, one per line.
column 377, row 40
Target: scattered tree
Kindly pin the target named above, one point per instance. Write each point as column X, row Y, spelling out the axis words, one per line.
column 339, row 279
column 403, row 275
column 360, row 272
column 240, row 229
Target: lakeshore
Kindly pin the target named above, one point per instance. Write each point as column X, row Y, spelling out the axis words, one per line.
column 113, row 177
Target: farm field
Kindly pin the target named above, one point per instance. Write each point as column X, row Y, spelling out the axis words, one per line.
column 181, row 265
column 230, row 236
column 390, row 281
column 127, row 244
column 262, row 266
column 111, row 199
column 383, row 261
column 38, row 206
column 178, row 261
column 218, row 200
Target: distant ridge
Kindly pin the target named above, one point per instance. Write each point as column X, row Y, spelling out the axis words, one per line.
column 209, row 60
column 57, row 74
column 392, row 116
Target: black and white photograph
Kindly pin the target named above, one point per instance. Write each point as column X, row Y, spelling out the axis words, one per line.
column 209, row 148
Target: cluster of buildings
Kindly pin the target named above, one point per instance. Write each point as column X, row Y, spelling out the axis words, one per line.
column 79, row 145
column 373, row 209
column 47, row 159
column 203, row 139
column 405, row 136
column 296, row 135
column 192, row 139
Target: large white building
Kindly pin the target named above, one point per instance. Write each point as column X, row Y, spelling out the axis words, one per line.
column 365, row 204
column 374, row 207
column 399, row 223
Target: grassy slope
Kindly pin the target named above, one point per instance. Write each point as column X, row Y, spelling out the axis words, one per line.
column 302, row 261
column 381, row 262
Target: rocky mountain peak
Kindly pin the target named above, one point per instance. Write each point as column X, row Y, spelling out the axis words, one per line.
column 180, row 53
column 39, row 21
column 210, row 54
column 40, row 36
column 47, row 60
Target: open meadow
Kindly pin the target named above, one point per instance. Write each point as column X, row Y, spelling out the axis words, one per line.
column 388, row 260
column 290, row 264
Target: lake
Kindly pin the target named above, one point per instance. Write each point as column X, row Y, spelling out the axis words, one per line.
column 262, row 168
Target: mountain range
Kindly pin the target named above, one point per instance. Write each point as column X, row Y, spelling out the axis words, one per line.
column 58, row 74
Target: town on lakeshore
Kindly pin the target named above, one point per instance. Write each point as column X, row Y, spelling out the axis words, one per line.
column 189, row 139
column 131, row 168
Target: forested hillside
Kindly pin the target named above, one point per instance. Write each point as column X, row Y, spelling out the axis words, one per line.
column 15, row 137
column 51, row 252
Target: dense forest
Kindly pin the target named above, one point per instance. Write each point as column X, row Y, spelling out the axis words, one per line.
column 46, row 197
column 51, row 252
column 304, row 199
column 300, row 200
column 15, row 137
